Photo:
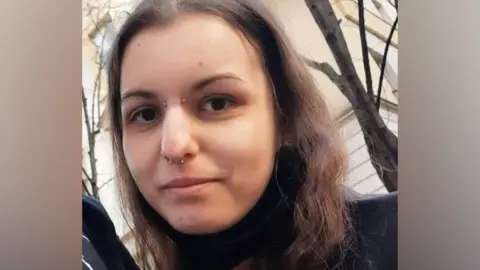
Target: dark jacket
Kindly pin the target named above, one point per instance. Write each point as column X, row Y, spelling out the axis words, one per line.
column 101, row 247
column 375, row 246
column 375, row 234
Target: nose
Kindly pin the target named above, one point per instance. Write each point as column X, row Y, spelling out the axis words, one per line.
column 177, row 139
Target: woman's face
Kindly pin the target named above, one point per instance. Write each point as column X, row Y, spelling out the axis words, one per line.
column 219, row 116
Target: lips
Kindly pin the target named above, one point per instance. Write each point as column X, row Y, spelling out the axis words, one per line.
column 187, row 182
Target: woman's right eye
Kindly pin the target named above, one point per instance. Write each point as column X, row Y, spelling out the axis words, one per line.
column 144, row 116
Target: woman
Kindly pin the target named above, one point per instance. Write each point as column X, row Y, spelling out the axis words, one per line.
column 227, row 157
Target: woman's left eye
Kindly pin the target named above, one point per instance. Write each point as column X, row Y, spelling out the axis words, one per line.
column 216, row 104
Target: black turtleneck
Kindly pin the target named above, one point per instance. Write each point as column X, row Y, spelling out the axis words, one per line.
column 266, row 229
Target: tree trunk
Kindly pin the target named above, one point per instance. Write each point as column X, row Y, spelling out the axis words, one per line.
column 382, row 144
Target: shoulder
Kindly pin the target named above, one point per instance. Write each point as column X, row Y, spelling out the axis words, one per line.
column 90, row 202
column 369, row 210
column 94, row 214
column 374, row 220
column 101, row 247
column 95, row 219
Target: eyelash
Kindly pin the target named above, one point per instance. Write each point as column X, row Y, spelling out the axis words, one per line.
column 230, row 101
column 137, row 112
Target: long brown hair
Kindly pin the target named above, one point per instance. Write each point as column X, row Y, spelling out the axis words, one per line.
column 321, row 218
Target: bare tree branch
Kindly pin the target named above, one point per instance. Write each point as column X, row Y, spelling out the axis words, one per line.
column 96, row 15
column 86, row 174
column 85, row 111
column 98, row 79
column 382, row 144
column 106, row 182
column 96, row 26
column 384, row 63
column 85, row 188
column 336, row 78
column 91, row 147
column 365, row 55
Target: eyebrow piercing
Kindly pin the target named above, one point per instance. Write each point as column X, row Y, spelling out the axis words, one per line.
column 182, row 102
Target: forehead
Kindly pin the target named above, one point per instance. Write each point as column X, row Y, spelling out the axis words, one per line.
column 193, row 46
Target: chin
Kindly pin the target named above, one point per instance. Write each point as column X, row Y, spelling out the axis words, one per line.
column 200, row 223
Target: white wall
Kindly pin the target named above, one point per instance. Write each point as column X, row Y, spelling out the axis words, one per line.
column 108, row 184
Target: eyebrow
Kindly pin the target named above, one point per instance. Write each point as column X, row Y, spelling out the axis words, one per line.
column 138, row 93
column 211, row 79
column 199, row 85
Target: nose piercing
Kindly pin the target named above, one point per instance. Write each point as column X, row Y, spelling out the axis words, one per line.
column 180, row 160
column 176, row 160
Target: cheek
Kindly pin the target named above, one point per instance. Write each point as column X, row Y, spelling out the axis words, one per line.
column 142, row 158
column 247, row 148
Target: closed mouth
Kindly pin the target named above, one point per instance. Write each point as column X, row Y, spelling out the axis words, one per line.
column 187, row 182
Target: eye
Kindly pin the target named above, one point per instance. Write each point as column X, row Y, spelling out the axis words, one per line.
column 217, row 104
column 144, row 116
